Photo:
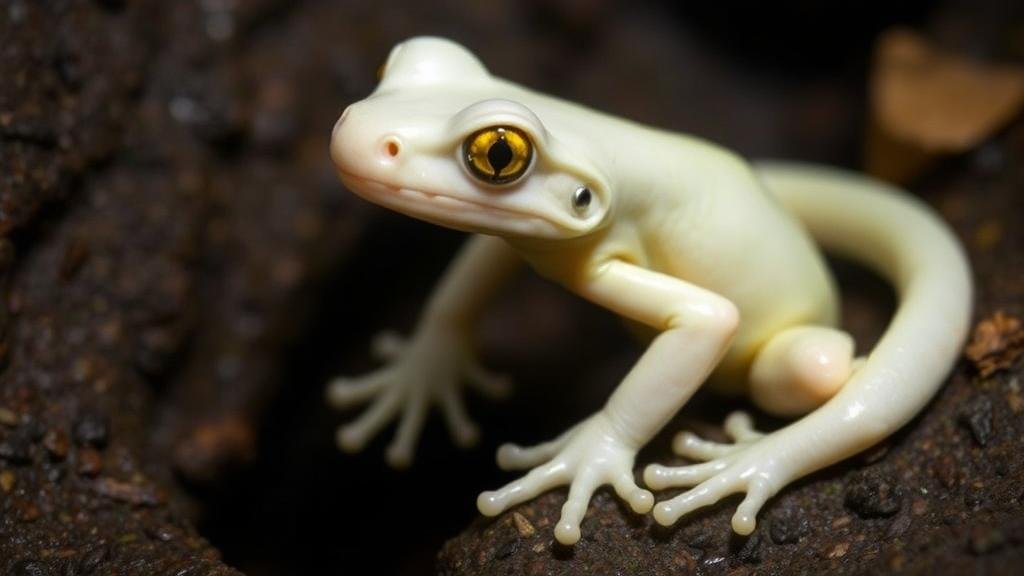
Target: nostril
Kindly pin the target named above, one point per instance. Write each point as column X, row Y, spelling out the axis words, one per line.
column 392, row 147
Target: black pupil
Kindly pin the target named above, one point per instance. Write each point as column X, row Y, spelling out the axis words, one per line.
column 583, row 198
column 499, row 155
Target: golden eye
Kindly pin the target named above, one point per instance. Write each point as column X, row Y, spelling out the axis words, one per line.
column 498, row 155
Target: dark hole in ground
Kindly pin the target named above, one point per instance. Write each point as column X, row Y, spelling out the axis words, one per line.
column 304, row 506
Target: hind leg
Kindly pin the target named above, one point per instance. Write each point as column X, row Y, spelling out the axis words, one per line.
column 800, row 368
column 794, row 373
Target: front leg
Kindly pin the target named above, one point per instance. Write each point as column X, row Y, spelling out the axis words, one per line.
column 431, row 367
column 696, row 327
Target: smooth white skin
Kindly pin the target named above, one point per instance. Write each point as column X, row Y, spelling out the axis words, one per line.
column 683, row 237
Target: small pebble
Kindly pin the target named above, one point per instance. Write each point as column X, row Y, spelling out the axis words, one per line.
column 841, row 521
column 523, row 525
column 839, row 550
column 136, row 494
column 7, row 481
column 977, row 418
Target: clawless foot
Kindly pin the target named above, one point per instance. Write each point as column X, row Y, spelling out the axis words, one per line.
column 724, row 469
column 588, row 456
column 428, row 369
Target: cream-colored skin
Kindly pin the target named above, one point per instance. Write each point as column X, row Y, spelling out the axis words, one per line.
column 714, row 255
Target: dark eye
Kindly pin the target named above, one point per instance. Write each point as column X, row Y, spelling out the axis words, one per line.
column 498, row 155
column 581, row 199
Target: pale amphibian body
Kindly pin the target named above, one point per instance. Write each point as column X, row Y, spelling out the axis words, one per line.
column 719, row 258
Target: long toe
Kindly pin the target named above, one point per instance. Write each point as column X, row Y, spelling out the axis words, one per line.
column 660, row 477
column 539, row 480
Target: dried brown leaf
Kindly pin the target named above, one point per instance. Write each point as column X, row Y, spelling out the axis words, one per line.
column 927, row 102
column 997, row 343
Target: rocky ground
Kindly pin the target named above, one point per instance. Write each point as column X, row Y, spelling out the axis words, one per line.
column 182, row 273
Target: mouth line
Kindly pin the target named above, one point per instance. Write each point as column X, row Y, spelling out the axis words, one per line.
column 443, row 199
